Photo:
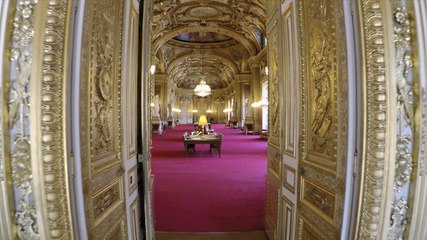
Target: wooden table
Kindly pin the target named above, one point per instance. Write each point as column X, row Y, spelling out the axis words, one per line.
column 214, row 140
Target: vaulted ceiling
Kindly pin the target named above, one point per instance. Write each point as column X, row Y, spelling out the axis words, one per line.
column 210, row 39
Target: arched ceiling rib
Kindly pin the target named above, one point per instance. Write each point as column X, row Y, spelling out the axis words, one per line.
column 212, row 39
column 244, row 40
column 202, row 57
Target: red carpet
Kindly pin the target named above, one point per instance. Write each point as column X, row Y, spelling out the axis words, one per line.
column 200, row 193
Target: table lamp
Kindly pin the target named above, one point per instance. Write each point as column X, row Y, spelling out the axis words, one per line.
column 203, row 122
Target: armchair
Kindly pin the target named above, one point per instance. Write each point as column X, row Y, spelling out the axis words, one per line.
column 216, row 147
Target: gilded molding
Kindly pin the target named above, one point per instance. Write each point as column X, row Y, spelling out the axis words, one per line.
column 376, row 113
column 53, row 162
column 423, row 133
column 19, row 121
column 2, row 141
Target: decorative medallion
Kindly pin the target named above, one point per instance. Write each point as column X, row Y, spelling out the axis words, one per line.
column 203, row 12
column 105, row 84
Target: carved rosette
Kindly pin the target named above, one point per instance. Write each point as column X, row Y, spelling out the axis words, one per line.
column 376, row 134
column 405, row 120
column 19, row 121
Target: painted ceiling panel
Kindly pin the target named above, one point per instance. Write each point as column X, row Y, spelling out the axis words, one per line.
column 210, row 39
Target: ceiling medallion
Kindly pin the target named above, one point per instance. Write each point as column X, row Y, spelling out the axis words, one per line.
column 202, row 89
column 203, row 12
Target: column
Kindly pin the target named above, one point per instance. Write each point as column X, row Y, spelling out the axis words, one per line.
column 256, row 93
column 238, row 99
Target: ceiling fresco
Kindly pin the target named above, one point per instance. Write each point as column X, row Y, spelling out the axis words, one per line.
column 213, row 39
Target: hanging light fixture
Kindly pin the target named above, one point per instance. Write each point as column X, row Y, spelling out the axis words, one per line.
column 202, row 89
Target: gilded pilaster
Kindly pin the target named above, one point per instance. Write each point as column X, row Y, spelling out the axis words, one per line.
column 238, row 87
column 256, row 92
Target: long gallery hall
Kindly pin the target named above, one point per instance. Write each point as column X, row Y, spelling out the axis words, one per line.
column 204, row 193
column 213, row 119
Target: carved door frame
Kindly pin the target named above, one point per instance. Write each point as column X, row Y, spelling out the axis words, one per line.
column 146, row 85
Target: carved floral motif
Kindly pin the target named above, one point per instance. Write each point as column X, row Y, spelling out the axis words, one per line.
column 405, row 120
column 405, row 95
column 398, row 219
column 19, row 109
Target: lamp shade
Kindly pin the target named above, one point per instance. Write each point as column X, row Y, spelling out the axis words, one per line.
column 203, row 121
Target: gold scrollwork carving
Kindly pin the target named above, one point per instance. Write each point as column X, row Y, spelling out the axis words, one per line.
column 104, row 200
column 274, row 165
column 323, row 106
column 321, row 76
column 101, row 117
column 274, row 87
column 319, row 198
column 19, row 122
column 308, row 231
column 104, row 79
column 271, row 208
column 321, row 82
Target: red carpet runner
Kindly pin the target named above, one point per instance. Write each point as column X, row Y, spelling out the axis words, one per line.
column 200, row 193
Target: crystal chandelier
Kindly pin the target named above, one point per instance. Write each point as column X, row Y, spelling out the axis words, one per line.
column 202, row 89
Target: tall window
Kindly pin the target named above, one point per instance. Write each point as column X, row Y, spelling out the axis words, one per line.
column 264, row 105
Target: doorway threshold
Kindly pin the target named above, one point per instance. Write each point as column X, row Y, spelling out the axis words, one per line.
column 252, row 235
